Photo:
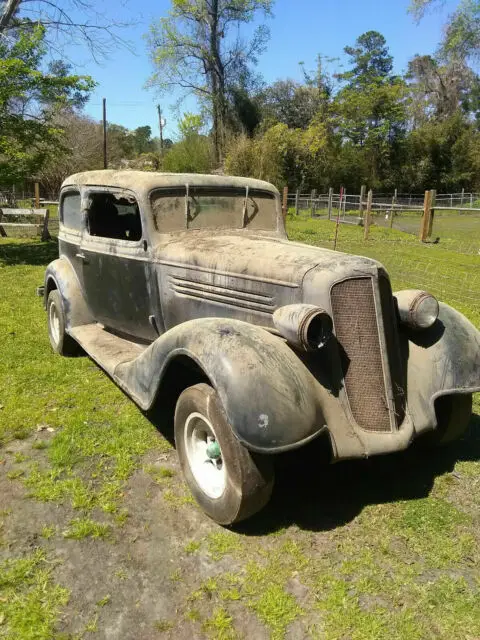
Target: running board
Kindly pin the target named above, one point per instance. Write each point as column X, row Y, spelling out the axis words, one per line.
column 107, row 349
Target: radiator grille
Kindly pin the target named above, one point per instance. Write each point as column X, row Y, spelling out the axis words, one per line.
column 356, row 328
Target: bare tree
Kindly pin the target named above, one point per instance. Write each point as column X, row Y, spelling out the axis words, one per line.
column 81, row 150
column 66, row 22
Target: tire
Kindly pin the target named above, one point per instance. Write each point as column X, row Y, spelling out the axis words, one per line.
column 61, row 342
column 228, row 482
column 453, row 416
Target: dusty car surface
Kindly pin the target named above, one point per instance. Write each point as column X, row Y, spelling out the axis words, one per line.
column 188, row 283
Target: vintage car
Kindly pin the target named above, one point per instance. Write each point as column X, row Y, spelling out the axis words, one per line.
column 188, row 283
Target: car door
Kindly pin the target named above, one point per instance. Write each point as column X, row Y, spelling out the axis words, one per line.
column 116, row 264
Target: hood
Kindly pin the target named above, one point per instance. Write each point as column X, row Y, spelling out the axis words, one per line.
column 265, row 258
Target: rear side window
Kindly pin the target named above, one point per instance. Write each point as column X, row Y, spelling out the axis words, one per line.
column 70, row 214
column 115, row 216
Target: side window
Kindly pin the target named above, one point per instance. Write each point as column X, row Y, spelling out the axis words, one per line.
column 70, row 211
column 114, row 216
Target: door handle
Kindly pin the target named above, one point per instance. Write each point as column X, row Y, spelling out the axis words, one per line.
column 81, row 256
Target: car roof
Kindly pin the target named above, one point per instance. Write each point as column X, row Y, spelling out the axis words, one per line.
column 143, row 182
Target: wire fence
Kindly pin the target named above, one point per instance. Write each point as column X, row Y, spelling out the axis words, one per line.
column 455, row 216
column 447, row 264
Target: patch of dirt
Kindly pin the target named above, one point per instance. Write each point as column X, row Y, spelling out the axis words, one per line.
column 143, row 570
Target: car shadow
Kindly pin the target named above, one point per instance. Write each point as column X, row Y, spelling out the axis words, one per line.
column 32, row 253
column 317, row 496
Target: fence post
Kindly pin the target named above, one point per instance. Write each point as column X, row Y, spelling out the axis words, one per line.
column 45, row 232
column 425, row 222
column 366, row 219
column 314, row 207
column 463, row 196
column 433, row 198
column 363, row 188
column 344, row 202
column 285, row 202
column 297, row 196
column 337, row 224
column 330, row 202
column 394, row 202
column 37, row 195
column 471, row 200
column 3, row 233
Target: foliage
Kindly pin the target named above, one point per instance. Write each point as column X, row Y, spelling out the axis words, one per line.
column 29, row 100
column 372, row 128
column 198, row 49
column 193, row 153
column 462, row 32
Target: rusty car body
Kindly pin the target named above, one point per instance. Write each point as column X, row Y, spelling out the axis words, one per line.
column 190, row 280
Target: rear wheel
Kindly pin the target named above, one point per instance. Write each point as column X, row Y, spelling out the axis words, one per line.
column 61, row 342
column 453, row 416
column 228, row 482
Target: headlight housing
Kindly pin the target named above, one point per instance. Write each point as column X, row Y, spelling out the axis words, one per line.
column 418, row 309
column 303, row 325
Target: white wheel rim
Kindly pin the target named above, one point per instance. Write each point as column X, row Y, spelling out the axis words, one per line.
column 210, row 473
column 54, row 319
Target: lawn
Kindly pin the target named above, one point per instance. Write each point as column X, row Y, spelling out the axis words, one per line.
column 99, row 537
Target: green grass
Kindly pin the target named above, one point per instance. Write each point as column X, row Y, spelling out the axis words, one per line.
column 80, row 528
column 30, row 602
column 221, row 543
column 219, row 626
column 373, row 558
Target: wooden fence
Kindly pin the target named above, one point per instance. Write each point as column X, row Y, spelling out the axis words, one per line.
column 37, row 220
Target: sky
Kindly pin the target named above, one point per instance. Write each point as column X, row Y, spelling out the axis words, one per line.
column 300, row 29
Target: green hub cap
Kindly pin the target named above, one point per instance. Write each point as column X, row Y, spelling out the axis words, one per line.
column 213, row 450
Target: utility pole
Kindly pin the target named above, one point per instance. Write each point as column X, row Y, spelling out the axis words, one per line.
column 161, row 123
column 105, row 160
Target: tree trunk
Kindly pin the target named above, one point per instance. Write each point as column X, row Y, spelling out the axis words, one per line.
column 9, row 9
column 217, row 84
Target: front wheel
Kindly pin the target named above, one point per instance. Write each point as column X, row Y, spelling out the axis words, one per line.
column 228, row 482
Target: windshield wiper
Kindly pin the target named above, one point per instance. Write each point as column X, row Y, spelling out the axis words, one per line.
column 187, row 205
column 245, row 204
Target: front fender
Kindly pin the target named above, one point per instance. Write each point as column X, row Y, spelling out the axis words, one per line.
column 268, row 394
column 442, row 360
column 61, row 273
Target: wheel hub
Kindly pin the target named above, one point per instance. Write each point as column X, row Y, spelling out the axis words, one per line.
column 213, row 450
column 204, row 455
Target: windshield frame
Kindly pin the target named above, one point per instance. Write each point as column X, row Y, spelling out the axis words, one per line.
column 188, row 191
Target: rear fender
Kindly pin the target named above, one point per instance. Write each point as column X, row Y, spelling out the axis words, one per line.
column 442, row 360
column 61, row 275
column 268, row 394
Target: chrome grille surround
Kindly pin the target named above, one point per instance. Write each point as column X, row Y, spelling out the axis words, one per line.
column 364, row 322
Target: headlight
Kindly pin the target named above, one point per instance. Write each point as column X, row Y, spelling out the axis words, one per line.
column 304, row 325
column 417, row 309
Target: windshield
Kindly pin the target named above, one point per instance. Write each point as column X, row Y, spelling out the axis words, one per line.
column 213, row 208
